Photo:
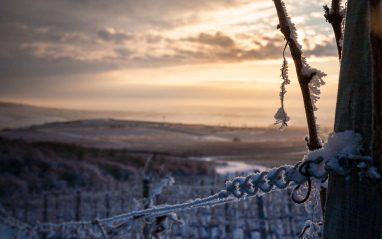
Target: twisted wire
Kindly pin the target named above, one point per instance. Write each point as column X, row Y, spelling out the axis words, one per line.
column 277, row 178
column 252, row 185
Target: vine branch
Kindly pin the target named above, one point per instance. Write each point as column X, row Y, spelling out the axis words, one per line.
column 303, row 79
column 334, row 17
column 288, row 30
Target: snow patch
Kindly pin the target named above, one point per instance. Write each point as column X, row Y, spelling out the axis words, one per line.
column 346, row 144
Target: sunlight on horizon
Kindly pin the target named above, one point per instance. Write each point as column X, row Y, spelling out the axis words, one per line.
column 246, row 93
column 192, row 57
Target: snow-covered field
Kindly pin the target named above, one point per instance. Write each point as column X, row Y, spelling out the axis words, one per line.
column 236, row 151
column 273, row 214
column 225, row 166
column 261, row 146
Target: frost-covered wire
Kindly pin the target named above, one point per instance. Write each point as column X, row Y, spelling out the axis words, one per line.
column 260, row 183
column 312, row 169
column 276, row 178
column 252, row 185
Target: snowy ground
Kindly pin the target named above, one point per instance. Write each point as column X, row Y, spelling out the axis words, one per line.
column 225, row 166
column 261, row 146
column 233, row 149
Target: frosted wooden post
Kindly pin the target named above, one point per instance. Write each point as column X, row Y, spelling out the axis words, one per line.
column 45, row 212
column 352, row 209
column 57, row 207
column 26, row 209
column 260, row 211
column 122, row 204
column 146, row 195
column 227, row 227
column 376, row 46
column 96, row 206
column 290, row 215
column 107, row 206
column 146, row 190
column 78, row 206
column 14, row 206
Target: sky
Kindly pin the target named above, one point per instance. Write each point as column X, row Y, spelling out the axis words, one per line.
column 171, row 57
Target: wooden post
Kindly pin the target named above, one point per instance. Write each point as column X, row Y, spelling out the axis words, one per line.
column 45, row 212
column 122, row 204
column 13, row 208
column 57, row 207
column 26, row 210
column 146, row 195
column 261, row 216
column 107, row 206
column 78, row 206
column 227, row 226
column 146, row 189
column 352, row 209
column 95, row 207
column 376, row 46
column 290, row 215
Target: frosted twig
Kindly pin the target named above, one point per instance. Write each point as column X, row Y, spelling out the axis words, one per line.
column 281, row 116
column 335, row 17
column 146, row 165
column 157, row 190
column 96, row 222
column 305, row 73
column 310, row 79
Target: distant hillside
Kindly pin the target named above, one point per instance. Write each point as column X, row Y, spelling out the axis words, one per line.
column 264, row 146
column 13, row 115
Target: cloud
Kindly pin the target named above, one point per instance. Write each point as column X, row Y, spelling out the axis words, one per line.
column 325, row 48
column 25, row 64
column 227, row 49
column 45, row 39
column 123, row 51
column 218, row 39
column 153, row 38
column 235, row 50
column 110, row 35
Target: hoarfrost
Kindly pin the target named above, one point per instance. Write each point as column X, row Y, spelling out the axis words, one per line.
column 165, row 182
column 315, row 83
column 281, row 117
column 362, row 165
column 345, row 143
column 372, row 173
column 312, row 230
column 314, row 75
column 292, row 27
column 368, row 172
column 343, row 14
